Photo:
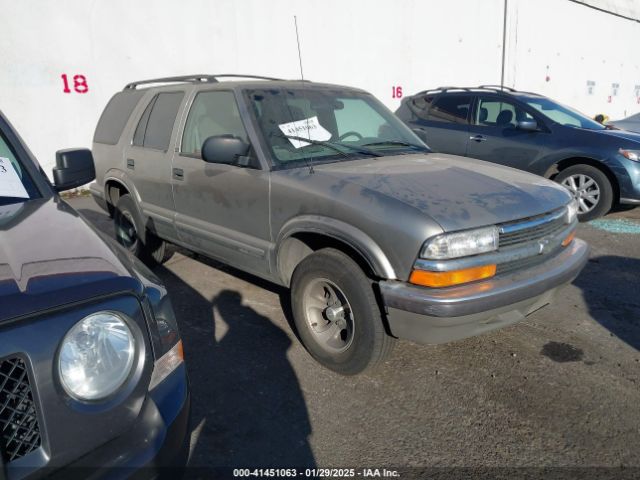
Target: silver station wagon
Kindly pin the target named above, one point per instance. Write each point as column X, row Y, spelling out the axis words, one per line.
column 321, row 189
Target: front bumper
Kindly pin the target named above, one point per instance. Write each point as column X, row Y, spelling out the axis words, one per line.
column 157, row 445
column 628, row 177
column 431, row 316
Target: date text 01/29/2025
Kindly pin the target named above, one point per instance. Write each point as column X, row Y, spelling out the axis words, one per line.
column 315, row 473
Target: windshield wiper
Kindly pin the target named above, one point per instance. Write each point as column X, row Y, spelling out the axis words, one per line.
column 313, row 142
column 397, row 142
column 334, row 145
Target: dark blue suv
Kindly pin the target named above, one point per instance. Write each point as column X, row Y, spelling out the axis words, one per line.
column 599, row 165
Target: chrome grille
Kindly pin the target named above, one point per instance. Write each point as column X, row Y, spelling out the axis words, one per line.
column 522, row 263
column 523, row 231
column 19, row 430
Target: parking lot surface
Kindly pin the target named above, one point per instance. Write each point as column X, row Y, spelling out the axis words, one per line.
column 560, row 389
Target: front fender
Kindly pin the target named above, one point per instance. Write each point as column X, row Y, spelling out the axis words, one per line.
column 343, row 232
column 548, row 165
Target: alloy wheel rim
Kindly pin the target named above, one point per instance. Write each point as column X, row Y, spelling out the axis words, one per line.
column 585, row 190
column 126, row 231
column 328, row 315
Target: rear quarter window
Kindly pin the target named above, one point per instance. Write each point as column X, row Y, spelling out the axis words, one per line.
column 451, row 109
column 115, row 116
column 420, row 105
column 160, row 120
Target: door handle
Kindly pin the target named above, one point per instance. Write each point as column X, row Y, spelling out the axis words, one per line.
column 478, row 138
column 178, row 174
column 131, row 163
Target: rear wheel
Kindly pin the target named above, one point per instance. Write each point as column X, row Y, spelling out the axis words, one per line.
column 132, row 234
column 591, row 189
column 336, row 313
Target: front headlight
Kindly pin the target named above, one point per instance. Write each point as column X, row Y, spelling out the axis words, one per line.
column 630, row 154
column 572, row 212
column 461, row 244
column 96, row 356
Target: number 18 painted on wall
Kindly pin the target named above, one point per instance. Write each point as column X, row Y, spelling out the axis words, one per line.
column 80, row 84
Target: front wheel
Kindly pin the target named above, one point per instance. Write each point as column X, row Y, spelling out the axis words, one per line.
column 336, row 313
column 590, row 188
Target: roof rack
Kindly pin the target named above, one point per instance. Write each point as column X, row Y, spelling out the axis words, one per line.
column 498, row 87
column 443, row 89
column 197, row 78
column 465, row 89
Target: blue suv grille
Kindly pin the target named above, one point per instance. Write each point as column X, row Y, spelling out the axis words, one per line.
column 19, row 430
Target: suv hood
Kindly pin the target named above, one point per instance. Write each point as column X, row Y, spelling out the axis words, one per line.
column 623, row 134
column 457, row 192
column 49, row 256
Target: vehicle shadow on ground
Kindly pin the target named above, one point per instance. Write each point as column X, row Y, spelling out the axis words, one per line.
column 248, row 409
column 610, row 286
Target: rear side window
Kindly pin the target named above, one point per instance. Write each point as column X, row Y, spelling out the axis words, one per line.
column 115, row 116
column 450, row 109
column 156, row 124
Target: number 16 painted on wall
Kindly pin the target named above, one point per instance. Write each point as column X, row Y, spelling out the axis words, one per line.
column 80, row 84
column 396, row 91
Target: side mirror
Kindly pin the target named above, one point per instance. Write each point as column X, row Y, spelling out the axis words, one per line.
column 74, row 168
column 224, row 149
column 420, row 133
column 528, row 125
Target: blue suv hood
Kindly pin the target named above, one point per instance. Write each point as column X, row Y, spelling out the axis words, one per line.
column 623, row 134
column 49, row 256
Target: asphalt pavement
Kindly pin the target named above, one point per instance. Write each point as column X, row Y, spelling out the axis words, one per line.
column 560, row 389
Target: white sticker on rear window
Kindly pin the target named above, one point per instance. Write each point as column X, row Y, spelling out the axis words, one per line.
column 10, row 183
column 308, row 128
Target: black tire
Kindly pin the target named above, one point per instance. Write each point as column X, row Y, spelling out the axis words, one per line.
column 605, row 199
column 366, row 344
column 132, row 234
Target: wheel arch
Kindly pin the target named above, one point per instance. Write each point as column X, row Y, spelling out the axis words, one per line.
column 116, row 185
column 304, row 236
column 565, row 163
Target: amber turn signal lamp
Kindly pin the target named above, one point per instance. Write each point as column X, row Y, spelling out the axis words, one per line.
column 569, row 239
column 180, row 349
column 454, row 277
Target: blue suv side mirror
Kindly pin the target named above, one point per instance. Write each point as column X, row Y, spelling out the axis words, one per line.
column 528, row 125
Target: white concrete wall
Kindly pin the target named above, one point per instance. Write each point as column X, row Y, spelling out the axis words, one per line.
column 375, row 45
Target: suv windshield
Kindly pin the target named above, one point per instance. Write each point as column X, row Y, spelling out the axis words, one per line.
column 15, row 183
column 341, row 125
column 563, row 115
